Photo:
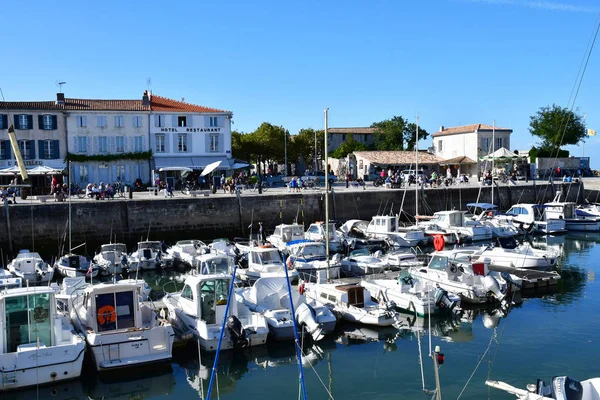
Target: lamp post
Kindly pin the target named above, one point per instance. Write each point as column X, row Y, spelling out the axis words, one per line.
column 315, row 158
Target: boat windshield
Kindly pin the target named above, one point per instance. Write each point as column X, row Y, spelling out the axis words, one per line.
column 213, row 293
column 115, row 310
column 313, row 250
column 28, row 255
column 28, row 320
column 267, row 257
column 217, row 265
column 360, row 252
column 116, row 247
column 439, row 263
column 150, row 245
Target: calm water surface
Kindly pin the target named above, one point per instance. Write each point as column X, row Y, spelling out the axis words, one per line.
column 550, row 334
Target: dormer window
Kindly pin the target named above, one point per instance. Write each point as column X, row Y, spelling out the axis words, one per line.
column 182, row 121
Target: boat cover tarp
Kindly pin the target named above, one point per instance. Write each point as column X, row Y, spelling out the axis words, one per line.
column 272, row 294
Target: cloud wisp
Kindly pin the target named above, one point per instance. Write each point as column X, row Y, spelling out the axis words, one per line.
column 538, row 4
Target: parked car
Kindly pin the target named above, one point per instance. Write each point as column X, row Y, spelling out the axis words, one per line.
column 311, row 175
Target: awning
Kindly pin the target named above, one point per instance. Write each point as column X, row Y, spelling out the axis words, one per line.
column 182, row 163
column 31, row 170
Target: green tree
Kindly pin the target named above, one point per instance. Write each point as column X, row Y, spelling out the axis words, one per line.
column 239, row 145
column 348, row 146
column 410, row 133
column 389, row 134
column 556, row 127
column 304, row 145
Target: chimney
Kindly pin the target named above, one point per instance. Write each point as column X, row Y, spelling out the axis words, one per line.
column 442, row 128
column 60, row 98
column 146, row 98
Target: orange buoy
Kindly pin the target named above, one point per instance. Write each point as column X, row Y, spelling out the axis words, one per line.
column 107, row 315
column 439, row 242
column 301, row 288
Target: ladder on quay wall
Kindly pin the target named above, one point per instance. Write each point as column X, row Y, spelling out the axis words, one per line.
column 9, row 379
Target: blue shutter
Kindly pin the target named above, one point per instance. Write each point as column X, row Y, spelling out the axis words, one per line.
column 16, row 117
column 56, row 147
column 41, row 149
column 174, row 120
column 189, row 120
column 32, row 147
column 206, row 121
column 41, row 122
column 54, row 123
column 8, row 149
column 2, row 121
column 30, row 121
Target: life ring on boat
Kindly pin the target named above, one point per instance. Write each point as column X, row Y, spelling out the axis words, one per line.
column 439, row 242
column 301, row 288
column 265, row 246
column 289, row 263
column 107, row 315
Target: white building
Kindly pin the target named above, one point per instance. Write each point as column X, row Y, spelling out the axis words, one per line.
column 108, row 140
column 185, row 136
column 41, row 135
column 470, row 141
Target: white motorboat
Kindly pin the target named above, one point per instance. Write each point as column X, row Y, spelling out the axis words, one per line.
column 37, row 343
column 200, row 309
column 8, row 280
column 531, row 218
column 31, row 268
column 388, row 227
column 111, row 259
column 567, row 211
column 316, row 232
column 309, row 258
column 120, row 330
column 353, row 235
column 399, row 259
column 351, row 302
column 144, row 289
column 186, row 251
column 224, row 246
column 411, row 295
column 455, row 271
column 456, row 221
column 285, row 233
column 270, row 297
column 507, row 252
column 485, row 213
column 360, row 262
column 561, row 388
column 71, row 265
column 149, row 255
column 264, row 261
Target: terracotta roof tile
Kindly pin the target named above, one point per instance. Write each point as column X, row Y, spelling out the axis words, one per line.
column 105, row 105
column 29, row 105
column 470, row 128
column 359, row 131
column 159, row 103
column 398, row 157
column 458, row 160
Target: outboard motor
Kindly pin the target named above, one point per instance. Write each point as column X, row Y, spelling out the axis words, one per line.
column 307, row 316
column 443, row 300
column 236, row 331
column 490, row 284
column 565, row 388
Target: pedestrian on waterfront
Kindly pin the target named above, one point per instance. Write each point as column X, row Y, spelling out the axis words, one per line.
column 96, row 191
column 101, row 189
column 109, row 192
column 434, row 178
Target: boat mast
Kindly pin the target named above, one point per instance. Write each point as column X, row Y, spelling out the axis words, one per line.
column 417, row 171
column 493, row 151
column 70, row 195
column 326, row 196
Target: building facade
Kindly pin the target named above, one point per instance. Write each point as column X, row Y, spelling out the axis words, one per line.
column 337, row 136
column 472, row 141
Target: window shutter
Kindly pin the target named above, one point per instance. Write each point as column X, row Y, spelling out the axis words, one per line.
column 189, row 120
column 112, row 147
column 221, row 143
column 41, row 149
column 56, row 147
column 2, row 121
column 156, row 120
column 189, row 143
column 127, row 177
column 32, row 147
column 54, row 122
column 207, row 121
column 207, row 143
column 221, row 121
column 96, row 145
column 174, row 120
column 17, row 125
column 167, row 143
column 175, row 144
column 144, row 144
column 30, row 122
column 8, row 149
column 41, row 122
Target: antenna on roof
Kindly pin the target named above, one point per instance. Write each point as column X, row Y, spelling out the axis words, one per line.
column 148, row 83
column 60, row 84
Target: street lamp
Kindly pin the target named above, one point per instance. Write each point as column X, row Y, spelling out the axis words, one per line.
column 315, row 158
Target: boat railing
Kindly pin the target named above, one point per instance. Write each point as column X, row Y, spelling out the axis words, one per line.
column 166, row 285
column 417, row 250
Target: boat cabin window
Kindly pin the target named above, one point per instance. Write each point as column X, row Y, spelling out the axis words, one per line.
column 314, row 251
column 74, row 262
column 266, row 257
column 313, row 229
column 456, row 219
column 28, row 320
column 221, row 265
column 356, row 297
column 115, row 311
column 212, row 294
column 187, row 293
column 439, row 263
column 332, row 298
column 277, row 232
column 324, row 295
column 538, row 213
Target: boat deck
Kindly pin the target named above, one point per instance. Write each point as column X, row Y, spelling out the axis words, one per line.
column 532, row 279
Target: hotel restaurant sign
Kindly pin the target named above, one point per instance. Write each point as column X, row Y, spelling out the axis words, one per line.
column 185, row 130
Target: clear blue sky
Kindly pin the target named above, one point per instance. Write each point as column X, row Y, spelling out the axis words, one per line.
column 452, row 62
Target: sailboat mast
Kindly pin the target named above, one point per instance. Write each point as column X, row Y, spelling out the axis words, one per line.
column 417, row 170
column 326, row 196
column 493, row 151
column 70, row 195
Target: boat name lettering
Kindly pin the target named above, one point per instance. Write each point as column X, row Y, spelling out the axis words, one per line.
column 190, row 130
column 40, row 355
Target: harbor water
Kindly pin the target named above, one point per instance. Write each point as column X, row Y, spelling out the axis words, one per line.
column 548, row 334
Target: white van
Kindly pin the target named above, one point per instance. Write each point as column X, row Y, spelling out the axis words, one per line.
column 408, row 172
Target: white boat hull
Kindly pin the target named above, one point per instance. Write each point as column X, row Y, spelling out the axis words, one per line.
column 405, row 301
column 68, row 272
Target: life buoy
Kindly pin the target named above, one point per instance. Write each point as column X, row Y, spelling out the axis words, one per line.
column 289, row 263
column 301, row 288
column 439, row 242
column 107, row 315
column 265, row 246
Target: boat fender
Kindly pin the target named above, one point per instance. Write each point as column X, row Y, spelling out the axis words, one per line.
column 301, row 288
column 439, row 242
column 107, row 315
column 289, row 263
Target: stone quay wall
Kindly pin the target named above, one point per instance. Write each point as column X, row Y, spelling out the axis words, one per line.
column 222, row 216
